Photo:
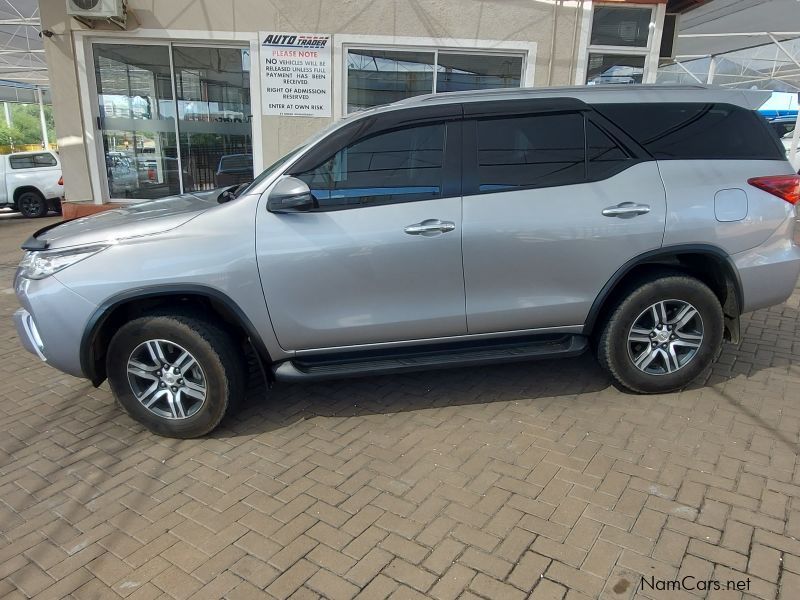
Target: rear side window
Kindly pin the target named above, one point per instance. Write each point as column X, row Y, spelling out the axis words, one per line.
column 695, row 130
column 530, row 151
column 605, row 156
column 32, row 161
column 403, row 165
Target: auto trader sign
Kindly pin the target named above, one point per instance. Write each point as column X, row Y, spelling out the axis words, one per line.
column 296, row 74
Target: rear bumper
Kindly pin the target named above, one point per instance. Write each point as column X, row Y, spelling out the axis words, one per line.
column 770, row 271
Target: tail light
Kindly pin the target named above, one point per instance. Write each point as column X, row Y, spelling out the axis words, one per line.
column 61, row 180
column 785, row 187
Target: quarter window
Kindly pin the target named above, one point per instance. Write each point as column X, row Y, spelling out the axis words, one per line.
column 695, row 130
column 32, row 161
column 530, row 151
column 404, row 165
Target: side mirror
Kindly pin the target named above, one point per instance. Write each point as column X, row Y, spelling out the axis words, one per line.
column 228, row 194
column 290, row 195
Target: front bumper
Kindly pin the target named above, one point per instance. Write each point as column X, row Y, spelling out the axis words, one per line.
column 51, row 322
column 28, row 333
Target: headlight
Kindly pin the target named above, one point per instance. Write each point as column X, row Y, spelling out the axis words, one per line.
column 38, row 265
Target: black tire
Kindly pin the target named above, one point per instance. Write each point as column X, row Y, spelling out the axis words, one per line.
column 32, row 205
column 614, row 352
column 218, row 355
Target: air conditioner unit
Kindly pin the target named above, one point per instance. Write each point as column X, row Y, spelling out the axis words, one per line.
column 92, row 10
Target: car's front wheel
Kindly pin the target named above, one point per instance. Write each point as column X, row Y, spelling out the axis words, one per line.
column 178, row 375
column 662, row 335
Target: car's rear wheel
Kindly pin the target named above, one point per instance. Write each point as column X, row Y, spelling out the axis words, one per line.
column 178, row 375
column 32, row 204
column 664, row 333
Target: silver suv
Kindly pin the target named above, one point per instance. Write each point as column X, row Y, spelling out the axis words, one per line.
column 446, row 230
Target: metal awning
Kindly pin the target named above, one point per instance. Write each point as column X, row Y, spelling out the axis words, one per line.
column 21, row 50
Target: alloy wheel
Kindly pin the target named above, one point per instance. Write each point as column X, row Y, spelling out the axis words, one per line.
column 665, row 337
column 166, row 379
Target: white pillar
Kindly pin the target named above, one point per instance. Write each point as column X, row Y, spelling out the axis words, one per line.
column 712, row 70
column 793, row 157
column 42, row 120
column 8, row 113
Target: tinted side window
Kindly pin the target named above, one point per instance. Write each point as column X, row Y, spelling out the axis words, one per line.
column 606, row 158
column 30, row 161
column 403, row 165
column 530, row 151
column 694, row 130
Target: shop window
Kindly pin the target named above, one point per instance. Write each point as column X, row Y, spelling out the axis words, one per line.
column 614, row 68
column 620, row 26
column 459, row 72
column 158, row 144
column 376, row 76
column 620, row 42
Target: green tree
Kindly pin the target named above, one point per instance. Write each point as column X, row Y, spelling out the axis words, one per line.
column 25, row 125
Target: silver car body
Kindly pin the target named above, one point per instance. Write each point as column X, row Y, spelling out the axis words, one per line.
column 523, row 261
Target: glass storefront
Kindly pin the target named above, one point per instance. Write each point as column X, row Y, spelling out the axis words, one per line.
column 173, row 118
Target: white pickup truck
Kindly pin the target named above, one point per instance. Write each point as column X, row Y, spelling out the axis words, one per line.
column 31, row 182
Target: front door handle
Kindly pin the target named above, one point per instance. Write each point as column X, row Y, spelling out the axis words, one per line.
column 626, row 210
column 430, row 227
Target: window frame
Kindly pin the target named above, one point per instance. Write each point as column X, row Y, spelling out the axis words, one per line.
column 32, row 158
column 343, row 43
column 650, row 52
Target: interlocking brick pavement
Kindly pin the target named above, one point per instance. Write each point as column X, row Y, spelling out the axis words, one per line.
column 534, row 480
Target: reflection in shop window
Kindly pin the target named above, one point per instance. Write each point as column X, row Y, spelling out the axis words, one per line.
column 614, row 69
column 137, row 120
column 376, row 77
column 620, row 26
column 137, row 113
column 619, row 44
column 214, row 115
column 459, row 72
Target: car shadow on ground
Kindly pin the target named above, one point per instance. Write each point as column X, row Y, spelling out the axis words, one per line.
column 420, row 390
column 537, row 383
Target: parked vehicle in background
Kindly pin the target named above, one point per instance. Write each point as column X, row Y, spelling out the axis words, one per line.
column 783, row 125
column 234, row 169
column 446, row 230
column 31, row 182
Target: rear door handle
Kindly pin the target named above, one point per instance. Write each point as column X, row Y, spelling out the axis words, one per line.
column 430, row 227
column 626, row 210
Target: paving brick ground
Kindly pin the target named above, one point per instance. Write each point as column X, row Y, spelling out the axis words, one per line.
column 531, row 480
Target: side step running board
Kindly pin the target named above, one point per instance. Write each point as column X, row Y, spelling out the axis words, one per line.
column 336, row 366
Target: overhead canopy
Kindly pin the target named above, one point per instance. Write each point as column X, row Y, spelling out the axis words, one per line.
column 711, row 28
column 21, row 50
